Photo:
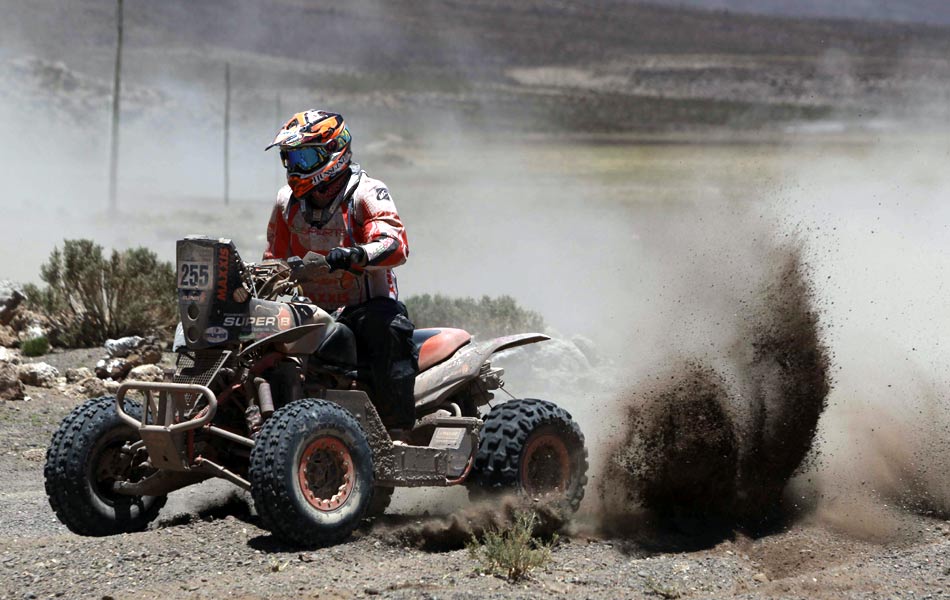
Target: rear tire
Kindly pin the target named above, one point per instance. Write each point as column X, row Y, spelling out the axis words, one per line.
column 311, row 473
column 82, row 462
column 533, row 447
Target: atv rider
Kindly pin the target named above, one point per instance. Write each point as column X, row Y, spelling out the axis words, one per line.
column 332, row 207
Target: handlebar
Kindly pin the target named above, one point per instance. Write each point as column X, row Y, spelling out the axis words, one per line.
column 273, row 278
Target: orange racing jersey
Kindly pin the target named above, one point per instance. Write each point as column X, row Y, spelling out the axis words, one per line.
column 363, row 214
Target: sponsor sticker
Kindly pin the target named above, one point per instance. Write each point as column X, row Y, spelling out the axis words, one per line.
column 224, row 256
column 216, row 335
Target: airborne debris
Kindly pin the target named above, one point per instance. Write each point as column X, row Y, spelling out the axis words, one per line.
column 453, row 532
column 703, row 444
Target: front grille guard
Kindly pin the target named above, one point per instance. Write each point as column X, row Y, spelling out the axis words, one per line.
column 172, row 398
column 178, row 401
column 167, row 415
column 164, row 421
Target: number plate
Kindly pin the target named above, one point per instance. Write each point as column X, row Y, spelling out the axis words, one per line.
column 196, row 270
column 447, row 438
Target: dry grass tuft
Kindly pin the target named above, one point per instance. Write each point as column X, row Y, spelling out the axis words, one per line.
column 512, row 551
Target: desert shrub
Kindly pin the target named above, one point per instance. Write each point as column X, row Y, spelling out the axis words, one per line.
column 486, row 316
column 90, row 298
column 37, row 346
column 512, row 551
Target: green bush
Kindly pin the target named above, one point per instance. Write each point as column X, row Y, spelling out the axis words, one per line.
column 485, row 317
column 512, row 551
column 90, row 298
column 37, row 346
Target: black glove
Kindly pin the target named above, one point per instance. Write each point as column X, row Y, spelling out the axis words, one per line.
column 345, row 258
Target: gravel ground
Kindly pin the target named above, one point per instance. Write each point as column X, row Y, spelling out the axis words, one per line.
column 207, row 544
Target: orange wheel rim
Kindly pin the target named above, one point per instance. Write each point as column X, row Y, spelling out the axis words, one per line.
column 326, row 474
column 546, row 465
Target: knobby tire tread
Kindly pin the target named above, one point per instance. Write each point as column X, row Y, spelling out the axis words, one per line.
column 505, row 433
column 65, row 469
column 274, row 498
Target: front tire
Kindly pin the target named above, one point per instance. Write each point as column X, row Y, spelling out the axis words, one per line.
column 311, row 473
column 533, row 447
column 84, row 459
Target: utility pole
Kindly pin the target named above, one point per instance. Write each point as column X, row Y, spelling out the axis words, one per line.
column 227, row 129
column 116, row 92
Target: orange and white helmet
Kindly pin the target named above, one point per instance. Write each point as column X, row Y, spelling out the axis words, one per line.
column 314, row 147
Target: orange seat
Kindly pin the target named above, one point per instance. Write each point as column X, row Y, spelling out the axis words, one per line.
column 437, row 344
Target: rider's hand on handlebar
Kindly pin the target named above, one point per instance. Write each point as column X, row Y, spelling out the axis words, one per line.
column 345, row 258
column 303, row 270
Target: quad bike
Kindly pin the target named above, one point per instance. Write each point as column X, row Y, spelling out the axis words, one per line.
column 267, row 394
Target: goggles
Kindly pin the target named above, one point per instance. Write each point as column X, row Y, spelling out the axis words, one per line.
column 304, row 159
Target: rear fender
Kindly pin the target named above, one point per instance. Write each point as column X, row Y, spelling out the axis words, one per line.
column 434, row 385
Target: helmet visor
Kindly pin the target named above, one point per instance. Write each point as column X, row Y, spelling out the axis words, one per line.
column 304, row 159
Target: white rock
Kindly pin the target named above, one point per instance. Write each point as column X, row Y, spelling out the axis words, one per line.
column 122, row 347
column 146, row 373
column 8, row 355
column 113, row 368
column 39, row 374
column 32, row 331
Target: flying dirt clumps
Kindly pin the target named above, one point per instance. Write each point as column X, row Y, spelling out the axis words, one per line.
column 720, row 436
column 680, row 448
column 788, row 381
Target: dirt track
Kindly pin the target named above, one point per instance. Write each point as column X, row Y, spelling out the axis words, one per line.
column 207, row 544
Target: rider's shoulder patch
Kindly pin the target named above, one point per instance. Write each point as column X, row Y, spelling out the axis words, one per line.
column 374, row 195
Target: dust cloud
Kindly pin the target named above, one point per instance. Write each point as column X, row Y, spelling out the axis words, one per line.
column 702, row 444
column 880, row 221
column 870, row 218
column 455, row 530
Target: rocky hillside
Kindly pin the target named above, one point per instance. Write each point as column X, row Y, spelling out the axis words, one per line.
column 539, row 65
column 933, row 12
